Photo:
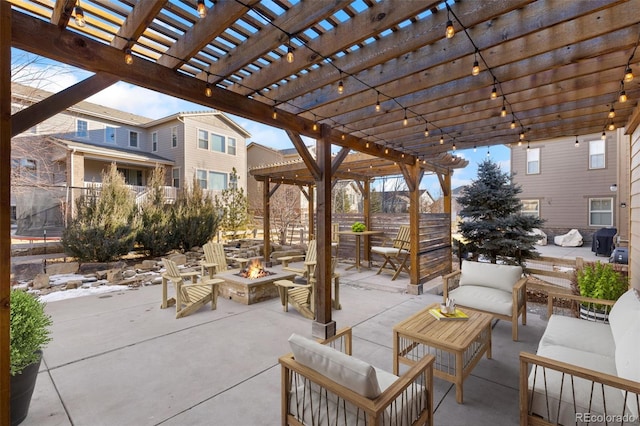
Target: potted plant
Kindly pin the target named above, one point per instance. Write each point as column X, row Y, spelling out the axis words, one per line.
column 600, row 281
column 29, row 333
column 358, row 227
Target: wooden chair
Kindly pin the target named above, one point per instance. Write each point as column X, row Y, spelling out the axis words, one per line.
column 396, row 255
column 215, row 259
column 335, row 239
column 300, row 296
column 189, row 296
column 310, row 257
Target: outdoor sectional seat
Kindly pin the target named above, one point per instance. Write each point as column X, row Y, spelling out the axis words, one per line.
column 321, row 385
column 585, row 368
column 499, row 290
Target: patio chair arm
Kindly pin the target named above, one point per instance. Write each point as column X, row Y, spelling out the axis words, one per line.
column 551, row 297
column 450, row 281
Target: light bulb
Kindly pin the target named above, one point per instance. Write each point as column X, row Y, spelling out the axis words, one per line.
column 503, row 112
column 628, row 75
column 441, row 140
column 475, row 148
column 454, row 146
column 426, row 131
column 290, row 55
column 378, row 106
column 208, row 92
column 611, row 126
column 128, row 57
column 315, row 126
column 405, row 121
column 476, row 68
column 577, row 144
column 366, row 145
column 612, row 113
column 519, row 143
column 450, row 31
column 603, row 136
column 522, row 135
column 513, row 124
column 274, row 115
column 623, row 96
column 340, row 87
column 386, row 150
column 494, row 93
column 80, row 21
column 202, row 10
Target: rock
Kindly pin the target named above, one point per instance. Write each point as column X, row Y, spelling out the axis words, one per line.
column 156, row 280
column 41, row 281
column 94, row 267
column 146, row 265
column 28, row 270
column 178, row 258
column 63, row 268
column 129, row 273
column 114, row 275
column 73, row 284
column 102, row 275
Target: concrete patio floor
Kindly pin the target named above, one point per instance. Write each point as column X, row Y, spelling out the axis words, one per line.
column 118, row 359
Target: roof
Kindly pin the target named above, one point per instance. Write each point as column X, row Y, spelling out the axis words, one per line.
column 221, row 115
column 556, row 67
column 119, row 155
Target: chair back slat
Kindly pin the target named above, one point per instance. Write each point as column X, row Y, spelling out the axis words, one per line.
column 403, row 239
column 214, row 253
column 172, row 269
column 312, row 252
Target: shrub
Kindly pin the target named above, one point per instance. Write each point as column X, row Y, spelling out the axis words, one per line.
column 105, row 224
column 600, row 281
column 29, row 330
column 156, row 234
column 194, row 218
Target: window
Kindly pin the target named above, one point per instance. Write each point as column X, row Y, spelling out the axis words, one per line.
column 176, row 177
column 82, row 129
column 533, row 161
column 25, row 167
column 110, row 134
column 601, row 212
column 233, row 181
column 154, row 141
column 231, row 146
column 217, row 143
column 133, row 138
column 217, row 180
column 203, row 139
column 174, row 136
column 596, row 154
column 201, row 177
column 531, row 208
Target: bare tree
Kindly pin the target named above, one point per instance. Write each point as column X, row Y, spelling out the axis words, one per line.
column 284, row 213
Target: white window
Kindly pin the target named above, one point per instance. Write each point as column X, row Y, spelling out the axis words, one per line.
column 133, row 138
column 596, row 154
column 531, row 208
column 233, row 181
column 82, row 129
column 231, row 146
column 174, row 136
column 110, row 134
column 203, row 139
column 201, row 178
column 217, row 180
column 217, row 143
column 533, row 161
column 154, row 141
column 600, row 211
column 176, row 177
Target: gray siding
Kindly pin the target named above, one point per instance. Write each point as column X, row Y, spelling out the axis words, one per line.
column 565, row 183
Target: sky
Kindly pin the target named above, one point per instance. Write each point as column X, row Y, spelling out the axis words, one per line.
column 52, row 76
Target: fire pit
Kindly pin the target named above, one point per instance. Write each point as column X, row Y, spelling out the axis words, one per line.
column 252, row 284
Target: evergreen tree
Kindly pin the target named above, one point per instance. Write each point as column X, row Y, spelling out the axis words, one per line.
column 156, row 234
column 492, row 220
column 194, row 218
column 232, row 204
column 105, row 225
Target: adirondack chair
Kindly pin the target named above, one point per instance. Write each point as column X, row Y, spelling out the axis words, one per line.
column 397, row 254
column 215, row 260
column 189, row 296
column 311, row 256
column 300, row 296
column 335, row 239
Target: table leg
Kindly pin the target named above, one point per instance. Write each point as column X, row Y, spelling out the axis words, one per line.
column 396, row 348
column 358, row 252
column 459, row 377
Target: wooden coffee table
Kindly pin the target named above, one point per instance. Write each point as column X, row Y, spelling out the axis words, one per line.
column 457, row 345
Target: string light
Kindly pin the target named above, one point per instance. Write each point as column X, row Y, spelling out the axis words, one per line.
column 611, row 126
column 315, row 123
column 475, row 148
column 289, row 52
column 274, row 114
column 488, row 152
column 441, row 139
column 522, row 134
column 128, row 56
column 475, row 70
column 454, row 145
column 494, row 91
column 603, row 136
column 503, row 111
column 79, row 18
column 426, row 130
column 208, row 92
column 202, row 10
column 628, row 75
column 366, row 145
column 340, row 85
column 612, row 113
column 513, row 123
column 386, row 150
column 405, row 121
column 450, row 31
column 378, row 102
column 623, row 95
column 519, row 143
column 577, row 144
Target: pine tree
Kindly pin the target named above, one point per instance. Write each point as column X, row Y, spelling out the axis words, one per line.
column 492, row 220
column 194, row 218
column 105, row 225
column 232, row 203
column 156, row 233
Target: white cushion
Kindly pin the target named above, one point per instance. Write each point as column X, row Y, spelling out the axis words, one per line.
column 343, row 369
column 501, row 277
column 578, row 334
column 626, row 359
column 483, row 298
column 624, row 314
column 581, row 388
column 387, row 251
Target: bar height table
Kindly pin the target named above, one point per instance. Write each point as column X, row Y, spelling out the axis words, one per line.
column 358, row 236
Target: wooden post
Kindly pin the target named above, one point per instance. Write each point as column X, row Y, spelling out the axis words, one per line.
column 447, row 209
column 266, row 220
column 413, row 176
column 366, row 207
column 323, row 327
column 312, row 208
column 5, row 210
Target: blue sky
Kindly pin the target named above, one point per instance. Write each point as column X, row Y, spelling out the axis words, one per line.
column 51, row 76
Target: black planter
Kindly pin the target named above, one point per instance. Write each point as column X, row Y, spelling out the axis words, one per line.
column 22, row 386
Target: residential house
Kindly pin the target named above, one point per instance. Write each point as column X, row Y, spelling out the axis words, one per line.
column 572, row 183
column 57, row 160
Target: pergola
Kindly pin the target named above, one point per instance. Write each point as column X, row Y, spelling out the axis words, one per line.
column 379, row 78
